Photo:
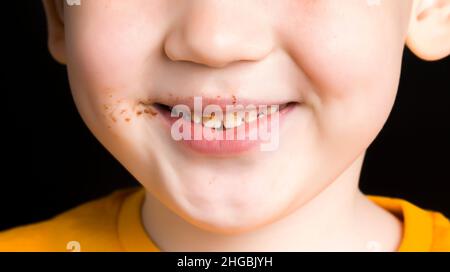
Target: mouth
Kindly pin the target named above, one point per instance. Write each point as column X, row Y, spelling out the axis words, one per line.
column 233, row 117
column 231, row 126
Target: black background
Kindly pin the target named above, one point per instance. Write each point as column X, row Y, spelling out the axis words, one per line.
column 51, row 162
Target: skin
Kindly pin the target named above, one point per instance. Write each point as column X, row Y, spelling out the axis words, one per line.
column 340, row 59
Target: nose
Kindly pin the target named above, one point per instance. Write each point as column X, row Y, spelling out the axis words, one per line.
column 217, row 33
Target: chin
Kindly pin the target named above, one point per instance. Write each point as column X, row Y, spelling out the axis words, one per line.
column 228, row 215
column 230, row 226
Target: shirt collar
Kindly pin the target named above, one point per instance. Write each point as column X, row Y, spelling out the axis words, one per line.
column 131, row 231
column 417, row 223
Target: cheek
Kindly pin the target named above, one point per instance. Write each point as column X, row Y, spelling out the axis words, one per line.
column 110, row 51
column 106, row 52
column 351, row 55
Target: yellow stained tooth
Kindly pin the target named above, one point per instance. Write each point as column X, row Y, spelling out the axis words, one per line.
column 251, row 116
column 212, row 122
column 232, row 120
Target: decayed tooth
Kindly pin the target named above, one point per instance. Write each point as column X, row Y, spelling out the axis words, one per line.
column 251, row 116
column 178, row 112
column 196, row 118
column 262, row 113
column 232, row 120
column 212, row 122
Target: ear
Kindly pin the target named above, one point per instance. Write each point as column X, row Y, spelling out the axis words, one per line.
column 54, row 11
column 429, row 29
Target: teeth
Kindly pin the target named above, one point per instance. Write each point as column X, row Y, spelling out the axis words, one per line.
column 251, row 116
column 273, row 109
column 268, row 111
column 179, row 112
column 232, row 120
column 212, row 122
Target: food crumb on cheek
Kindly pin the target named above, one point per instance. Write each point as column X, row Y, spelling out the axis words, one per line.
column 114, row 109
column 145, row 102
column 117, row 111
column 150, row 111
column 147, row 105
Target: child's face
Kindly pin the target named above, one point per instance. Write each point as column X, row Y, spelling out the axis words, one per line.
column 340, row 60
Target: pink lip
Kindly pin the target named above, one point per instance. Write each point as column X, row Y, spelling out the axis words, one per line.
column 224, row 147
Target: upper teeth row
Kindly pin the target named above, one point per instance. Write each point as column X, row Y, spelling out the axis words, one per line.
column 233, row 119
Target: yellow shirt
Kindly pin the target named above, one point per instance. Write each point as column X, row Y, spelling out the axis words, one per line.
column 113, row 223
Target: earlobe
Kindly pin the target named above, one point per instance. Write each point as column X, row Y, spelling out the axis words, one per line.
column 429, row 29
column 55, row 27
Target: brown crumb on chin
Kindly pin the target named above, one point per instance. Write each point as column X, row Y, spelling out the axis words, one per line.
column 127, row 119
column 113, row 119
column 139, row 113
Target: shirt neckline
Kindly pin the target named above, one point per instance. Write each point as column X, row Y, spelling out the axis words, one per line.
column 417, row 223
column 131, row 231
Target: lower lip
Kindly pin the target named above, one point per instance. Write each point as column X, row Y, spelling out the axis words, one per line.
column 225, row 146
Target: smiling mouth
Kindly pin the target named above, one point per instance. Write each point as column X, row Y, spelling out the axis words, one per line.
column 239, row 126
column 232, row 117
